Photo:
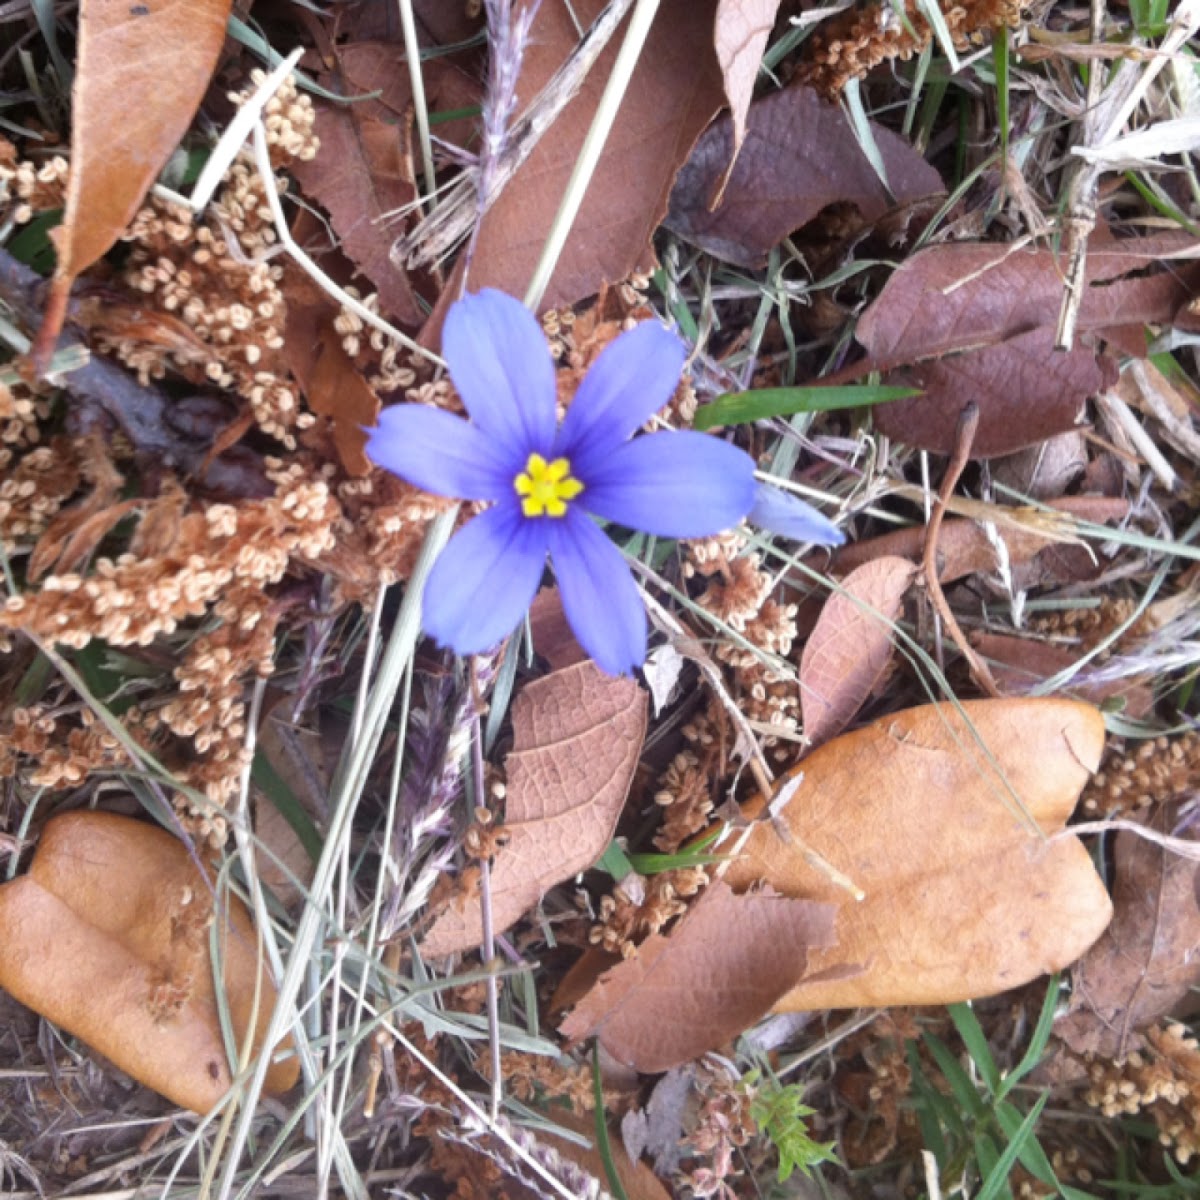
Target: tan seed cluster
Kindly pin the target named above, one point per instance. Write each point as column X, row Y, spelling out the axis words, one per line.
column 1162, row 1080
column 1158, row 771
column 851, row 43
column 642, row 905
column 33, row 491
column 34, row 188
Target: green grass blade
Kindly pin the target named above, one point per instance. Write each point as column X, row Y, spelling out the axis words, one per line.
column 996, row 1182
column 960, row 1083
column 1037, row 1043
column 602, row 1145
column 736, row 408
column 975, row 1040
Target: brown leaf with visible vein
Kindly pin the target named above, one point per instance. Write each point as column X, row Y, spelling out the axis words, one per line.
column 979, row 320
column 578, row 735
column 1147, row 962
column 799, row 155
column 851, row 645
column 361, row 178
column 921, row 810
column 726, row 964
column 740, row 36
column 673, row 94
column 141, row 72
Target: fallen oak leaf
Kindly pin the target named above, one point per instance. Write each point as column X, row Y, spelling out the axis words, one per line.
column 578, row 735
column 798, row 157
column 108, row 936
column 1146, row 962
column 725, row 965
column 850, row 646
column 141, row 72
column 922, row 811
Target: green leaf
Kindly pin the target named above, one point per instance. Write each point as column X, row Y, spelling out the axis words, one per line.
column 736, row 408
column 605, row 1150
column 975, row 1040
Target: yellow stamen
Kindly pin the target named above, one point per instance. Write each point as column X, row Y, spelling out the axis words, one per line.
column 546, row 487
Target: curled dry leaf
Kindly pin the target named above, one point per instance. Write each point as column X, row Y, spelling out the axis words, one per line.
column 851, row 645
column 1146, row 963
column 740, row 37
column 726, row 964
column 577, row 737
column 921, row 810
column 108, row 936
column 673, row 94
column 994, row 308
column 141, row 72
column 799, row 155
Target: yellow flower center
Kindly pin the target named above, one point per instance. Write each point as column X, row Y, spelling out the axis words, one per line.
column 545, row 487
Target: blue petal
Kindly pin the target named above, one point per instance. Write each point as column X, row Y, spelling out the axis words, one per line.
column 598, row 594
column 781, row 513
column 485, row 579
column 501, row 366
column 440, row 453
column 672, row 484
column 630, row 381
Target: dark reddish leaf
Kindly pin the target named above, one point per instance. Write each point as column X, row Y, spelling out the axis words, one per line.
column 962, row 296
column 1026, row 390
column 141, row 72
column 726, row 964
column 799, row 156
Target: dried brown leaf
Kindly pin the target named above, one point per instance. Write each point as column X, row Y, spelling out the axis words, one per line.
column 851, row 645
column 1146, row 963
column 333, row 386
column 140, row 74
column 799, row 155
column 993, row 311
column 920, row 811
column 726, row 964
column 960, row 296
column 1026, row 391
column 577, row 736
column 740, row 36
column 364, row 181
column 552, row 637
column 673, row 94
column 108, row 936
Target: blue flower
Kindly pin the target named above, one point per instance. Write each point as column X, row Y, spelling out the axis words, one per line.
column 547, row 483
column 782, row 514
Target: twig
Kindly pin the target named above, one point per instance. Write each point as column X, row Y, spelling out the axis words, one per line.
column 412, row 51
column 968, row 423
